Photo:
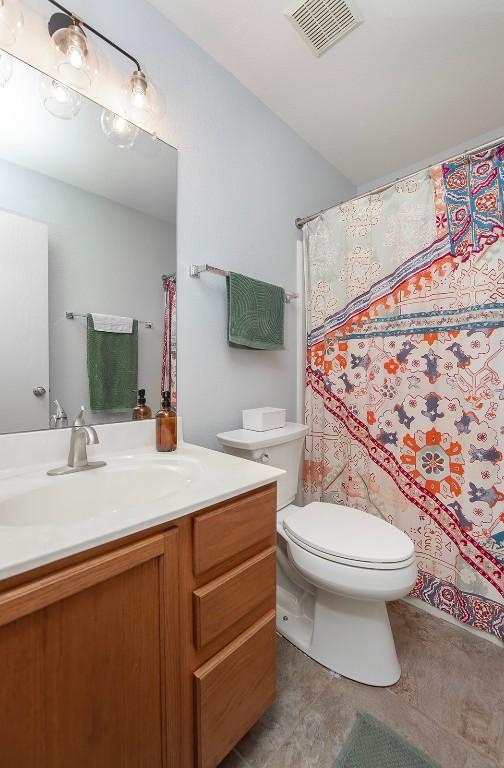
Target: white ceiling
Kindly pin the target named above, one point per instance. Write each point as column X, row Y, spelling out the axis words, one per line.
column 416, row 78
column 77, row 152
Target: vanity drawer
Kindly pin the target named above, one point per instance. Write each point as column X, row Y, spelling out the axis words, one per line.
column 230, row 598
column 233, row 689
column 234, row 527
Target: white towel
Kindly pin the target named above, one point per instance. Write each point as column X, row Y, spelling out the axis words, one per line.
column 112, row 323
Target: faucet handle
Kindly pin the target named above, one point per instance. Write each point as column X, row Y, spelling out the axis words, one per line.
column 79, row 419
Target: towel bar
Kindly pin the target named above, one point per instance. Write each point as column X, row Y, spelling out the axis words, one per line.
column 195, row 271
column 73, row 315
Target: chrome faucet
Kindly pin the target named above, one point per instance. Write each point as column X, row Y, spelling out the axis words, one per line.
column 80, row 436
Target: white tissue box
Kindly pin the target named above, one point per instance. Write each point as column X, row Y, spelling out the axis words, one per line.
column 262, row 419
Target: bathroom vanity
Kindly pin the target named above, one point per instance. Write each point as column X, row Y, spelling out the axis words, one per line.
column 137, row 623
column 155, row 647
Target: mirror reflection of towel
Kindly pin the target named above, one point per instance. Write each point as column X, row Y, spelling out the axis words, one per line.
column 112, row 323
column 112, row 362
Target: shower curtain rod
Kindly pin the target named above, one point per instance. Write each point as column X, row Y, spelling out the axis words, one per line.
column 300, row 222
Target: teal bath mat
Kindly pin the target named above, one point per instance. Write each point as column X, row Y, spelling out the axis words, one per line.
column 372, row 745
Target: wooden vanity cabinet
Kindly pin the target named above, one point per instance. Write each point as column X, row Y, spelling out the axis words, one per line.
column 85, row 659
column 233, row 617
column 155, row 650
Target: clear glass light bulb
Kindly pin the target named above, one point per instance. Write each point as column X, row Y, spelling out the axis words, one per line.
column 140, row 100
column 59, row 100
column 60, row 92
column 11, row 22
column 118, row 130
column 119, row 125
column 5, row 68
column 76, row 57
column 76, row 60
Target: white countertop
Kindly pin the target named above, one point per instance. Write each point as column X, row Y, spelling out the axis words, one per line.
column 213, row 477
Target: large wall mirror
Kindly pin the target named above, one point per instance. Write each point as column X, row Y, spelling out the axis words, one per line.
column 87, row 229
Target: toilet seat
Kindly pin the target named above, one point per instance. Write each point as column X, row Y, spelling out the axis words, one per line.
column 349, row 536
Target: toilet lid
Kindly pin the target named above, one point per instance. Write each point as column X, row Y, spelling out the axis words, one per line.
column 347, row 533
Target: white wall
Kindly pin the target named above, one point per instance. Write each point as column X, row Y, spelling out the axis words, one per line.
column 439, row 157
column 243, row 178
column 103, row 257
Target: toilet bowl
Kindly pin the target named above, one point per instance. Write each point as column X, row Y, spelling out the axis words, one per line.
column 337, row 568
column 356, row 562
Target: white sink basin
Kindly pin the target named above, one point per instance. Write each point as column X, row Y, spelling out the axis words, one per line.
column 44, row 519
column 73, row 498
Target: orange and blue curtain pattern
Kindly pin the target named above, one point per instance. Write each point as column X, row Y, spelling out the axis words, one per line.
column 405, row 373
column 169, row 351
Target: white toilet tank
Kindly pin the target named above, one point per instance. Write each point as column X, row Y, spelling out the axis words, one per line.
column 282, row 448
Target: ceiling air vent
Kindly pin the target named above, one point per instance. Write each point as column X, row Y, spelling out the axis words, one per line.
column 323, row 22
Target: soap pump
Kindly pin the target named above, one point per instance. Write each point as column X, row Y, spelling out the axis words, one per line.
column 141, row 411
column 166, row 425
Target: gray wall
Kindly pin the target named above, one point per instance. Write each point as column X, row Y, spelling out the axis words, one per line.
column 103, row 257
column 243, row 178
column 442, row 155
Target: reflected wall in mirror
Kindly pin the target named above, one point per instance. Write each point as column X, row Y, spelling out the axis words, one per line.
column 86, row 226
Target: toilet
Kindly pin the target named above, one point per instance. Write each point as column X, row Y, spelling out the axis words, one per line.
column 336, row 567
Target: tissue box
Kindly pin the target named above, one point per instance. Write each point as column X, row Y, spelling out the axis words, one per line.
column 262, row 419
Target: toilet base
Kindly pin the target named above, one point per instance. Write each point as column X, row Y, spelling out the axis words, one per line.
column 351, row 637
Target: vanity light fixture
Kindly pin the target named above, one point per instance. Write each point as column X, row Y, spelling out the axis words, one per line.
column 118, row 130
column 76, row 61
column 60, row 100
column 77, row 65
column 11, row 22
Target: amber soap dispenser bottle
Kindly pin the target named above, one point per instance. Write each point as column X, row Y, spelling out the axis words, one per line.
column 166, row 426
column 141, row 411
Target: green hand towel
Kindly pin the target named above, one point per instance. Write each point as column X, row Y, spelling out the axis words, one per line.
column 112, row 361
column 255, row 313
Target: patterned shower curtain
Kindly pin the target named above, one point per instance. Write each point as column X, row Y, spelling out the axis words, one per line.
column 405, row 373
column 169, row 352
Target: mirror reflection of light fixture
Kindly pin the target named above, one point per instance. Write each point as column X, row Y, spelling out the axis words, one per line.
column 11, row 22
column 5, row 68
column 60, row 100
column 76, row 60
column 118, row 130
column 140, row 99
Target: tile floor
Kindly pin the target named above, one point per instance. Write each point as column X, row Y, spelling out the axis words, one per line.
column 449, row 701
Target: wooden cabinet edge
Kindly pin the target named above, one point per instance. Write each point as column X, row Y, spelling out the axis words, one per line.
column 214, row 662
column 170, row 648
column 38, row 594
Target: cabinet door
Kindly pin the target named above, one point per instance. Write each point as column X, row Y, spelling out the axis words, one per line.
column 86, row 653
column 233, row 689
